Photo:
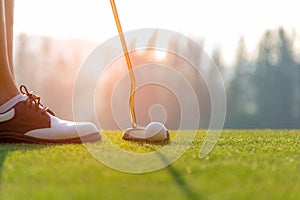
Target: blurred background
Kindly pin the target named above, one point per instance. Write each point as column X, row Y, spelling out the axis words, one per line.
column 255, row 44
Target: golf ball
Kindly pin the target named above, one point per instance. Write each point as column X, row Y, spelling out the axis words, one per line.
column 156, row 131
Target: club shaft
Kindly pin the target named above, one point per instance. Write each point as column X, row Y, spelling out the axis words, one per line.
column 128, row 61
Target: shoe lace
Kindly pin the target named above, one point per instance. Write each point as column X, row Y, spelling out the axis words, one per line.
column 35, row 100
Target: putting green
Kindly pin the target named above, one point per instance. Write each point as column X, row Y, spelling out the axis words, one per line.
column 245, row 164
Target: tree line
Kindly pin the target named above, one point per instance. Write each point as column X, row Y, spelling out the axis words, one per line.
column 264, row 91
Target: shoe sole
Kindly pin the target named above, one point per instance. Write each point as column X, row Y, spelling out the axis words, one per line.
column 19, row 138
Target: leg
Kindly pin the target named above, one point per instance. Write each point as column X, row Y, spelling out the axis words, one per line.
column 8, row 87
column 9, row 17
column 23, row 118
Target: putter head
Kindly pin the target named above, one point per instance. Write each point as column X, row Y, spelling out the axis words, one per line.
column 139, row 134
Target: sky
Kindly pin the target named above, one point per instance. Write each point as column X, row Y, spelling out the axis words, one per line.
column 219, row 23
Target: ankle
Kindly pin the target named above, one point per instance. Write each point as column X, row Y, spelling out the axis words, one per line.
column 7, row 94
column 6, row 98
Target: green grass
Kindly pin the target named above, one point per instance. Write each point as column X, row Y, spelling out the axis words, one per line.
column 254, row 164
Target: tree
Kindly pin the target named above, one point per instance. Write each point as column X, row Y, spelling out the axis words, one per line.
column 240, row 95
column 274, row 81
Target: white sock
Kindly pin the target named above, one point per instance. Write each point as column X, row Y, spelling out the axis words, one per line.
column 12, row 102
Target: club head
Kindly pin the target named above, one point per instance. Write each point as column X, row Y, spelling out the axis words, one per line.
column 139, row 134
column 135, row 134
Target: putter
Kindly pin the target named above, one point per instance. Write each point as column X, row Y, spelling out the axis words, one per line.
column 134, row 133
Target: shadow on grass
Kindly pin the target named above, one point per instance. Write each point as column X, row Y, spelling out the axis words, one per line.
column 190, row 194
column 186, row 189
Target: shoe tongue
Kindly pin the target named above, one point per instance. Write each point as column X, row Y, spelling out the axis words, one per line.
column 12, row 102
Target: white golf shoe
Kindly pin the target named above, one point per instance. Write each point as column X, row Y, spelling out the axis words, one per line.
column 26, row 120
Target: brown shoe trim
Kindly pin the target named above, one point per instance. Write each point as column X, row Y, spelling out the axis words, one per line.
column 26, row 118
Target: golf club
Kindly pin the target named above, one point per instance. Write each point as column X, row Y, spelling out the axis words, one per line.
column 155, row 131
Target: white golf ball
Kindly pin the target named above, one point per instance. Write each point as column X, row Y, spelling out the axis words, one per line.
column 156, row 131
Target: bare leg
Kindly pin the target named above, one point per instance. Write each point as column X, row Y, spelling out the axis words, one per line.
column 9, row 18
column 8, row 87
